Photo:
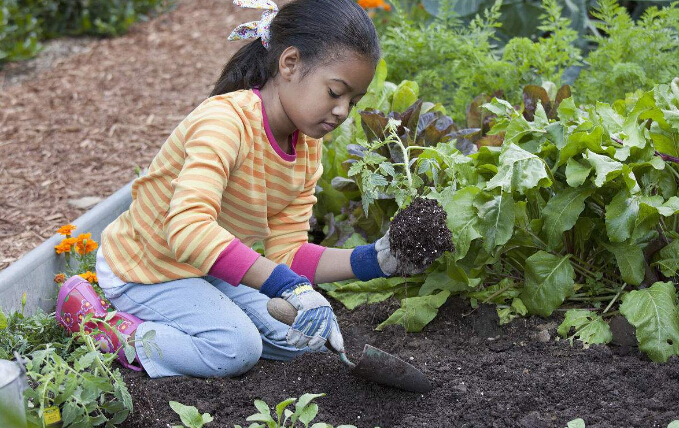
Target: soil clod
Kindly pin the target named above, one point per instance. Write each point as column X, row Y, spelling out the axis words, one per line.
column 418, row 235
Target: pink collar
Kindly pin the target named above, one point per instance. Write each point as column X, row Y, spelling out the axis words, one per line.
column 272, row 140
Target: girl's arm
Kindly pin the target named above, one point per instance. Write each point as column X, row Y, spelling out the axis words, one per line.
column 334, row 265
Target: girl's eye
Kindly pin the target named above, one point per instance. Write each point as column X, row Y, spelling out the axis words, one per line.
column 332, row 94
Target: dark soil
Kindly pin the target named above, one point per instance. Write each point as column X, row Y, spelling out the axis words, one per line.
column 418, row 235
column 483, row 375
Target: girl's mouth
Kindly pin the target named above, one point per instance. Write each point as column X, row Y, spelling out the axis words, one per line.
column 328, row 126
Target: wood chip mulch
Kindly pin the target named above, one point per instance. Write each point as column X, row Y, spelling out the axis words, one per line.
column 81, row 127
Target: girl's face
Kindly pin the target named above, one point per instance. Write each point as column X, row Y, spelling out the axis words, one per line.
column 318, row 102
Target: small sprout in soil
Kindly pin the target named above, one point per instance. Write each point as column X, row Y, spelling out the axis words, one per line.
column 418, row 235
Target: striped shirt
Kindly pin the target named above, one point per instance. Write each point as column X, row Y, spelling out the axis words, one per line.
column 219, row 184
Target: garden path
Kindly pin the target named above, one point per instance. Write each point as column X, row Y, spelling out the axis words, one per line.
column 77, row 126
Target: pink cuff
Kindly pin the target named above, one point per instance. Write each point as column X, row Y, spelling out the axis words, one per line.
column 233, row 262
column 306, row 260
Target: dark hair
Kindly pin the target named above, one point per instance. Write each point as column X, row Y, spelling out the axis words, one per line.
column 320, row 29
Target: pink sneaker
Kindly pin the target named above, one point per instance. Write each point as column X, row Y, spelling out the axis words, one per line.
column 76, row 299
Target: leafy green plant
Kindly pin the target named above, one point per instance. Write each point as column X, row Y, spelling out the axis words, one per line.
column 453, row 62
column 190, row 416
column 23, row 24
column 68, row 372
column 19, row 32
column 304, row 414
column 629, row 55
column 22, row 334
column 574, row 210
column 83, row 385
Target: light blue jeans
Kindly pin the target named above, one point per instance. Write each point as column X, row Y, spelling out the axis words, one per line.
column 204, row 327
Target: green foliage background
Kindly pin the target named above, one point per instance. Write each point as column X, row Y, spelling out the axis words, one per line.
column 458, row 55
column 24, row 23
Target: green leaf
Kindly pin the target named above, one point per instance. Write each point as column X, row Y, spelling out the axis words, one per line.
column 355, row 293
column 406, row 95
column 416, row 312
column 567, row 111
column 653, row 311
column 562, row 212
column 519, row 171
column 3, row 320
column 440, row 280
column 462, row 220
column 669, row 259
column 669, row 207
column 282, row 405
column 589, row 327
column 308, row 414
column 612, row 121
column 86, row 360
column 301, row 405
column 69, row 413
column 645, row 224
column 605, row 168
column 576, row 173
column 496, row 218
column 499, row 107
column 621, row 216
column 576, row 423
column 500, row 293
column 549, row 280
column 630, row 259
column 262, row 407
column 188, row 414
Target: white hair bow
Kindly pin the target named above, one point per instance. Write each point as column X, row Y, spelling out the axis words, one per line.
column 255, row 29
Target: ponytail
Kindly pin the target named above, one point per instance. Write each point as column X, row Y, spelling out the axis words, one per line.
column 247, row 69
column 318, row 28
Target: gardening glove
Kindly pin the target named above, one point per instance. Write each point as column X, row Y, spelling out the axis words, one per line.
column 377, row 261
column 315, row 322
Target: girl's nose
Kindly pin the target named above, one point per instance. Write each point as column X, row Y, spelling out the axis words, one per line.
column 341, row 110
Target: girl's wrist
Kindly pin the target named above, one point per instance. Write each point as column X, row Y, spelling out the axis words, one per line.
column 364, row 263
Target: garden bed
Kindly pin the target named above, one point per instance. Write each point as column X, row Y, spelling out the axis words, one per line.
column 483, row 376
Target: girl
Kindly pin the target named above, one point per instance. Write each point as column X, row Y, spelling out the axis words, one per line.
column 241, row 168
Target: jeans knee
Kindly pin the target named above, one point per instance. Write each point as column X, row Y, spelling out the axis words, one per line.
column 231, row 351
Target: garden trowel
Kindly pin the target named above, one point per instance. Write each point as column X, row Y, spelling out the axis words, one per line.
column 374, row 365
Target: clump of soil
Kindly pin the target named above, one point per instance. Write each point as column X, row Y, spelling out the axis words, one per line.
column 418, row 235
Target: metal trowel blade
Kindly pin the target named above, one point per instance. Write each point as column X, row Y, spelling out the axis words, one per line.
column 383, row 368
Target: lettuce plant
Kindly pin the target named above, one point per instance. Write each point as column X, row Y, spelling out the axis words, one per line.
column 576, row 208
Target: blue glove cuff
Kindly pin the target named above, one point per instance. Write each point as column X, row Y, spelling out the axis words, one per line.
column 364, row 263
column 281, row 280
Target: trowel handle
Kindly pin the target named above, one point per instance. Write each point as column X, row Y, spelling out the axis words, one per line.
column 284, row 312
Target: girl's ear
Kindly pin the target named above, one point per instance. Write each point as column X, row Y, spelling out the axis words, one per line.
column 289, row 62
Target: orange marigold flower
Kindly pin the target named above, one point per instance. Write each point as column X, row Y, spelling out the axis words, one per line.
column 386, row 6
column 91, row 277
column 62, row 248
column 66, row 230
column 84, row 236
column 69, row 241
column 370, row 4
column 59, row 278
column 86, row 246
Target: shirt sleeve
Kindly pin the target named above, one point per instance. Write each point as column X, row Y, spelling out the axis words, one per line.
column 290, row 227
column 212, row 148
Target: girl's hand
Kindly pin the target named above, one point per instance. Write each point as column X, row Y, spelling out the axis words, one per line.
column 389, row 263
column 376, row 260
column 315, row 322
